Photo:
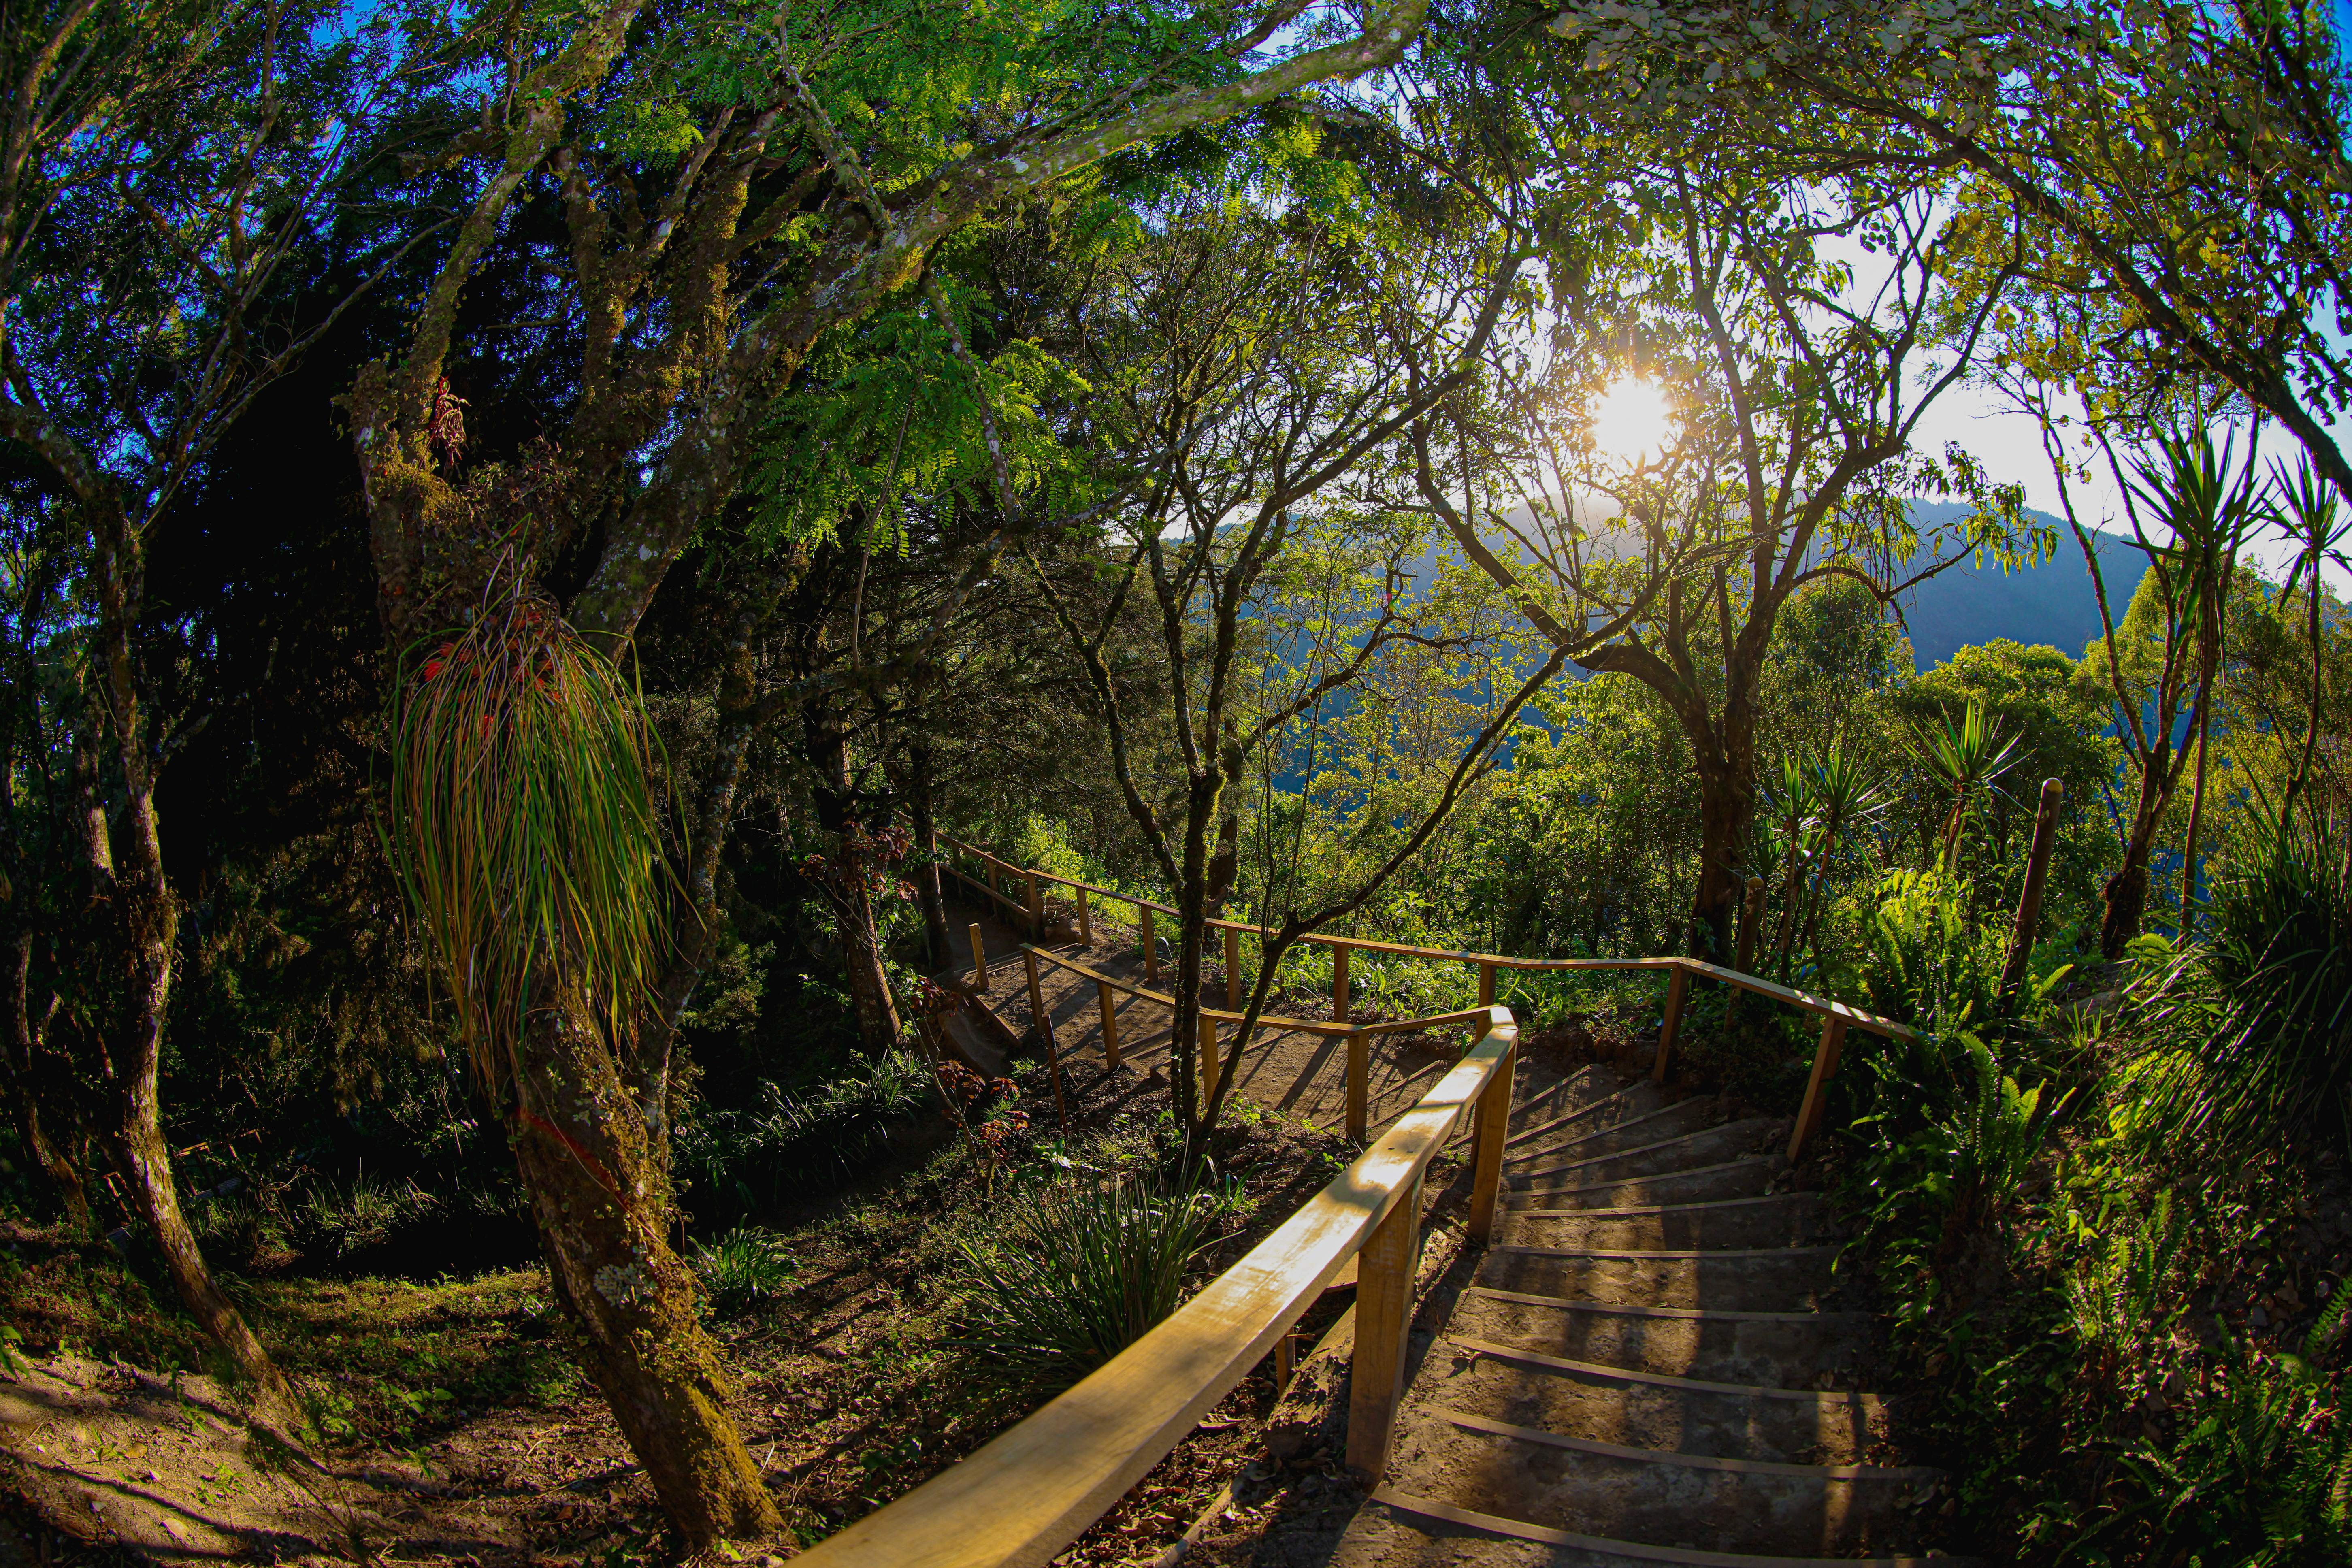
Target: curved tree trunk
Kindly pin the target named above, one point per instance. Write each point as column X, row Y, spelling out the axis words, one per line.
column 602, row 1201
column 32, row 1083
column 2127, row 890
column 137, row 920
column 869, row 984
column 936, row 939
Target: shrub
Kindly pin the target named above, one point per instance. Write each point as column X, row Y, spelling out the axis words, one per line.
column 1075, row 1272
column 1923, row 957
column 2262, row 1474
column 792, row 1143
column 2250, row 1041
column 741, row 1269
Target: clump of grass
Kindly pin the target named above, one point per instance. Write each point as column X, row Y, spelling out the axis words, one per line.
column 2252, row 1038
column 794, row 1142
column 741, row 1269
column 1075, row 1272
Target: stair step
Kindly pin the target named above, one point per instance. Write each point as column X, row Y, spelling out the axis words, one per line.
column 1767, row 1280
column 1788, row 1349
column 1644, row 1456
column 1708, row 1145
column 1527, row 1387
column 1650, row 1122
column 1616, row 1096
column 1662, row 1496
column 1640, row 1551
column 1730, row 1179
column 1775, row 1218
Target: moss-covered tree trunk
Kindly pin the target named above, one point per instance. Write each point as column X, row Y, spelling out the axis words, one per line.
column 32, row 1097
column 134, row 919
column 600, row 1197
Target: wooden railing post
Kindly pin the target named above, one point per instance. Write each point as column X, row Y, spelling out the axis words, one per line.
column 1486, row 1156
column 1150, row 946
column 979, row 960
column 1825, row 1061
column 1338, row 984
column 1110, row 1024
column 1384, row 1272
column 1676, row 990
column 1232, row 968
column 1036, row 991
column 1036, row 910
column 1485, row 986
column 1360, row 1069
column 1086, row 921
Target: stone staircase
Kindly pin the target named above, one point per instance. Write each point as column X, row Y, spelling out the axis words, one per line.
column 1652, row 1363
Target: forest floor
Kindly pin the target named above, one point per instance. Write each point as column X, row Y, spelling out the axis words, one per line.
column 454, row 1427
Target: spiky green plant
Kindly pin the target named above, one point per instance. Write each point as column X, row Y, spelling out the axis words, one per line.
column 2252, row 1038
column 1968, row 757
column 523, row 824
column 1075, row 1273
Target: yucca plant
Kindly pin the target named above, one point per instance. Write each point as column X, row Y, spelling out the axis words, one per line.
column 2253, row 1037
column 1968, row 756
column 1817, row 804
column 1075, row 1273
column 521, row 821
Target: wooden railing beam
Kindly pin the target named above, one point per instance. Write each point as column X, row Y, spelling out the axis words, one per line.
column 1031, row 1491
column 1359, row 1065
column 1825, row 1062
column 1109, row 1024
column 1384, row 1274
column 1677, row 992
column 1486, row 1151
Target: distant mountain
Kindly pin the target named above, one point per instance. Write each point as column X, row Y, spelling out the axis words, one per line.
column 2054, row 603
column 1966, row 604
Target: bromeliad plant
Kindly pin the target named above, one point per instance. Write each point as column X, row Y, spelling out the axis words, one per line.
column 521, row 820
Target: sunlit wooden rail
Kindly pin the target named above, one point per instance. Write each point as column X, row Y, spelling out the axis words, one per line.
column 1032, row 1491
column 1035, row 1489
column 1837, row 1018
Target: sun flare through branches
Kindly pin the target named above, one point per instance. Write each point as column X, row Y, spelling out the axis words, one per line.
column 1631, row 421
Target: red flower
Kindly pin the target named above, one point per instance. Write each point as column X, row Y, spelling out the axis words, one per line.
column 432, row 667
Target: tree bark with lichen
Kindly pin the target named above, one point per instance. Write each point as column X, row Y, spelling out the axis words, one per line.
column 674, row 363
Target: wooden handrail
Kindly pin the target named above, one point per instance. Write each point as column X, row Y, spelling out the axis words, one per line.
column 1855, row 1017
column 1033, row 1490
column 1837, row 1018
column 1268, row 1020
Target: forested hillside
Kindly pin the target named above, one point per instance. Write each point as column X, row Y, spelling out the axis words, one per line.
column 733, row 740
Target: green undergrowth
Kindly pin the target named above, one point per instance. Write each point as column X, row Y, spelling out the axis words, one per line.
column 2121, row 1320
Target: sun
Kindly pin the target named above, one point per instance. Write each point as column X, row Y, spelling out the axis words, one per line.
column 1632, row 421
